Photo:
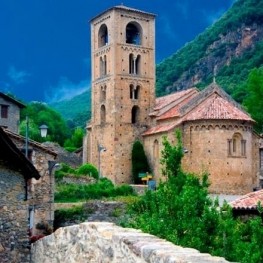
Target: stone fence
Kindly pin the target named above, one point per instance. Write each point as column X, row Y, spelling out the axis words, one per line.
column 101, row 242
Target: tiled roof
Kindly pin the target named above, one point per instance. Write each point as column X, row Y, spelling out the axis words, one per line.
column 175, row 111
column 187, row 105
column 216, row 107
column 162, row 102
column 161, row 128
column 123, row 8
column 248, row 201
column 31, row 142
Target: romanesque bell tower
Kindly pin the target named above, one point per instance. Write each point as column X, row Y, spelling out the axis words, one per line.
column 123, row 88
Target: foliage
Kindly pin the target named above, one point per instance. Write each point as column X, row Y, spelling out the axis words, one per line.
column 139, row 161
column 172, row 156
column 88, row 169
column 76, row 140
column 39, row 113
column 253, row 101
column 181, row 211
column 76, row 110
column 63, row 215
column 103, row 188
column 186, row 60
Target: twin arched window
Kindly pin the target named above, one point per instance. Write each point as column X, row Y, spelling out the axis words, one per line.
column 134, row 92
column 103, row 66
column 237, row 146
column 134, row 64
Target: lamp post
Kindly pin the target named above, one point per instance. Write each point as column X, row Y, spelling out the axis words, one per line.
column 43, row 132
column 100, row 149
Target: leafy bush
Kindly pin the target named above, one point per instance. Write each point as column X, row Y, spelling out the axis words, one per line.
column 181, row 211
column 64, row 215
column 88, row 169
column 103, row 188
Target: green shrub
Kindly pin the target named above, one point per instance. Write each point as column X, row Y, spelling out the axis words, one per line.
column 64, row 215
column 88, row 169
column 103, row 188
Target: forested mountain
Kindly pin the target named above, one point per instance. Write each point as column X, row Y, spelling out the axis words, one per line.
column 230, row 48
column 76, row 110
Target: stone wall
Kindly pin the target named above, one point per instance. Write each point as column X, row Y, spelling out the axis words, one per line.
column 13, row 116
column 14, row 239
column 107, row 243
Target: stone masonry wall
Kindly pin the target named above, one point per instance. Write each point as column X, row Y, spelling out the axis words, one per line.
column 14, row 239
column 96, row 242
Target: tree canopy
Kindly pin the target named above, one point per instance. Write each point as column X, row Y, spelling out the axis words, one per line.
column 38, row 114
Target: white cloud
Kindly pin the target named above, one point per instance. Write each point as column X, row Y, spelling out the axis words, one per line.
column 18, row 76
column 65, row 90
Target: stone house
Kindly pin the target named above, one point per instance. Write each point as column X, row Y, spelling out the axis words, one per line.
column 41, row 191
column 217, row 133
column 15, row 171
column 10, row 112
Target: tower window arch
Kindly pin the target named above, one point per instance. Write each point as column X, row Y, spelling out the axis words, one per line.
column 103, row 66
column 134, row 92
column 135, row 114
column 102, row 93
column 103, row 36
column 133, row 33
column 102, row 114
column 134, row 64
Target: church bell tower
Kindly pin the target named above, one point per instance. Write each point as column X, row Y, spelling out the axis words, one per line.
column 123, row 88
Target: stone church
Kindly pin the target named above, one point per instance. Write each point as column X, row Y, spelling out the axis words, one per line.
column 217, row 133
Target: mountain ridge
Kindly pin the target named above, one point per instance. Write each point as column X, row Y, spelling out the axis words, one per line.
column 227, row 50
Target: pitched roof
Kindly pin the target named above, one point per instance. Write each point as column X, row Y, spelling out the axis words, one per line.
column 248, row 201
column 123, row 7
column 38, row 145
column 14, row 101
column 13, row 158
column 216, row 107
column 210, row 103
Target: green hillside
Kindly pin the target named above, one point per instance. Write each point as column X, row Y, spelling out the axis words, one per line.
column 231, row 47
column 76, row 109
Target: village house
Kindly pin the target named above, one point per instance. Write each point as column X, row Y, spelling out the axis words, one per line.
column 10, row 112
column 15, row 172
column 217, row 133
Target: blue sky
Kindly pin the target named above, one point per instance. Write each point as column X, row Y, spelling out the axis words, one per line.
column 45, row 44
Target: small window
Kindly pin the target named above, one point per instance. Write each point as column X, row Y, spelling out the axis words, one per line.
column 4, row 111
column 135, row 115
column 102, row 115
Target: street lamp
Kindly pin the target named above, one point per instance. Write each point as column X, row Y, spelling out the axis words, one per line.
column 43, row 132
column 100, row 149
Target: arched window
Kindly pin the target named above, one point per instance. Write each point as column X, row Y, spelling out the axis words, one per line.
column 133, row 34
column 103, row 36
column 102, row 93
column 134, row 92
column 103, row 66
column 236, row 145
column 135, row 114
column 134, row 64
column 102, row 114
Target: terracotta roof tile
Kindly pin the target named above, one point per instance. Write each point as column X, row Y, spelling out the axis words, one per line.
column 216, row 107
column 248, row 201
column 162, row 102
column 161, row 128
